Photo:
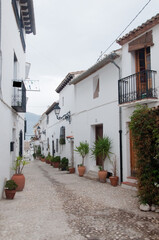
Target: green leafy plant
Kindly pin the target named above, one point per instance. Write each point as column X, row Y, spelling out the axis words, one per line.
column 19, row 164
column 62, row 141
column 83, row 150
column 56, row 159
column 38, row 151
column 10, row 185
column 64, row 164
column 101, row 148
column 49, row 157
column 145, row 132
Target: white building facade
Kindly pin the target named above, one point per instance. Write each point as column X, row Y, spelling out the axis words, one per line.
column 16, row 20
column 96, row 108
column 139, row 83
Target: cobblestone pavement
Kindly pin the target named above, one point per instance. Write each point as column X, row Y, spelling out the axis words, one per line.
column 57, row 206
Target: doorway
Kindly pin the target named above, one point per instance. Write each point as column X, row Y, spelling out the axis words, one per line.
column 143, row 78
column 98, row 133
column 53, row 148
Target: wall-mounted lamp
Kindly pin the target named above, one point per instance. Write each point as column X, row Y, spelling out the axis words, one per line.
column 66, row 116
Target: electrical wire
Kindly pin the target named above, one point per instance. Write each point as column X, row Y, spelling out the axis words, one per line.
column 124, row 30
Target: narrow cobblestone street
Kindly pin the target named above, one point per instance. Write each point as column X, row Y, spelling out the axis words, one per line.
column 57, row 206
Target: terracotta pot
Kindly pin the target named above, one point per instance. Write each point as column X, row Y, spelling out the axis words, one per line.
column 72, row 170
column 10, row 193
column 81, row 170
column 19, row 179
column 102, row 176
column 56, row 164
column 43, row 159
column 114, row 180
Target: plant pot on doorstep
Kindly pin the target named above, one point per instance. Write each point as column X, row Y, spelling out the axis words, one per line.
column 114, row 180
column 102, row 176
column 19, row 179
column 71, row 170
column 81, row 170
column 56, row 164
column 10, row 189
column 10, row 193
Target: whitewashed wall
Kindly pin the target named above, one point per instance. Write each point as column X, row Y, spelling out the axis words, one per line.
column 102, row 110
column 128, row 68
column 11, row 122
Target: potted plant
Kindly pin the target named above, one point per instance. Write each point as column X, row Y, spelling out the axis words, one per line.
column 55, row 161
column 83, row 150
column 101, row 148
column 114, row 178
column 64, row 164
column 48, row 159
column 18, row 177
column 42, row 158
column 10, row 189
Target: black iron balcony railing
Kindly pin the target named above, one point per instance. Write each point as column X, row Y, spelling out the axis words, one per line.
column 19, row 97
column 137, row 87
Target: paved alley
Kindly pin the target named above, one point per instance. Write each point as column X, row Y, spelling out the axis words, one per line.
column 57, row 206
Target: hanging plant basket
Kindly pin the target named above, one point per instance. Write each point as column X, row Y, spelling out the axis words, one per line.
column 62, row 141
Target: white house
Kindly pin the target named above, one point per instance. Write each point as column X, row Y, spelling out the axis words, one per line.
column 16, row 20
column 61, row 126
column 96, row 108
column 139, row 83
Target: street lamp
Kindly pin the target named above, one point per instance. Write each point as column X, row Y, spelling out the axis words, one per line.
column 66, row 116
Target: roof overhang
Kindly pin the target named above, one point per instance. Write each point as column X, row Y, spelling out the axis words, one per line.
column 27, row 12
column 51, row 108
column 139, row 30
column 67, row 79
column 109, row 58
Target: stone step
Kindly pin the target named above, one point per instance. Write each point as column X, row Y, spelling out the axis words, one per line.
column 132, row 179
column 92, row 175
column 129, row 185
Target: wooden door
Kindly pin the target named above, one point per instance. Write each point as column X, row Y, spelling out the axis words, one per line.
column 99, row 133
column 143, row 78
column 133, row 158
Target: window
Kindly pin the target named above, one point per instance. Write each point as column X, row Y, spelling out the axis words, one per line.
column 48, row 144
column 96, row 87
column 57, row 145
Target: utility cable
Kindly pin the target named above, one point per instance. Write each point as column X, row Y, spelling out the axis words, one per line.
column 124, row 30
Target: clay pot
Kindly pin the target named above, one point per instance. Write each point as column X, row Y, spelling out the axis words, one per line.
column 114, row 180
column 10, row 193
column 43, row 159
column 56, row 164
column 72, row 170
column 19, row 179
column 81, row 170
column 102, row 176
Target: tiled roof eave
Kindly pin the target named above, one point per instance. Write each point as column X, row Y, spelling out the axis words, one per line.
column 96, row 67
column 139, row 30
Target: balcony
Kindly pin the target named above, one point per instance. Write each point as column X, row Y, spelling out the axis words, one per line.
column 19, row 96
column 137, row 87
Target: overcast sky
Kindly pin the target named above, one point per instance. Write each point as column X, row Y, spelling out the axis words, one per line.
column 71, row 34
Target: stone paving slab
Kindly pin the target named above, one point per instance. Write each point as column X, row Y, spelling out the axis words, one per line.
column 55, row 205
